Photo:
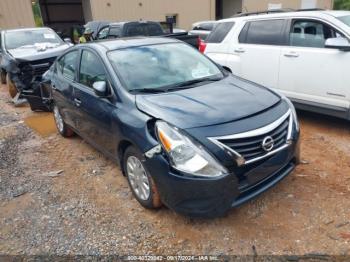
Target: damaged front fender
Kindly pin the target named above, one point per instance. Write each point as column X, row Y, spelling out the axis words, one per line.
column 39, row 96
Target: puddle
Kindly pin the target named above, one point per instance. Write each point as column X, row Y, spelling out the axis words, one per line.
column 42, row 123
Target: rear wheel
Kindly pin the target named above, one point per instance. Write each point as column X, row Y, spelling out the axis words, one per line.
column 62, row 128
column 11, row 87
column 141, row 183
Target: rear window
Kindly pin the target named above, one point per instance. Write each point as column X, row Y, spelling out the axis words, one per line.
column 219, row 32
column 154, row 30
column 267, row 32
column 144, row 30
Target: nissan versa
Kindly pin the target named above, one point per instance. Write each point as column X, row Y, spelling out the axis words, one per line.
column 186, row 133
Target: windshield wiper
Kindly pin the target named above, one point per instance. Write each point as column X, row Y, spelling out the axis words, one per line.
column 147, row 90
column 179, row 86
column 190, row 83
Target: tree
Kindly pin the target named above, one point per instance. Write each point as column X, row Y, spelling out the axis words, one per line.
column 37, row 14
column 342, row 4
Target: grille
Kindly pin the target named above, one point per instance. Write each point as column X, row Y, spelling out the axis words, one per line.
column 33, row 70
column 41, row 66
column 39, row 70
column 250, row 146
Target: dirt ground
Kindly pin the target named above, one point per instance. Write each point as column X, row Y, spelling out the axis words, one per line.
column 60, row 196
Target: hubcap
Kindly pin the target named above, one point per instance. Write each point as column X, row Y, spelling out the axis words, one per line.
column 58, row 119
column 138, row 178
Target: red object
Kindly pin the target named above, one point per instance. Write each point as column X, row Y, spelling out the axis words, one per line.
column 201, row 45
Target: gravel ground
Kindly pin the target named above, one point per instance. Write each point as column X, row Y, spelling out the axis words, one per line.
column 60, row 196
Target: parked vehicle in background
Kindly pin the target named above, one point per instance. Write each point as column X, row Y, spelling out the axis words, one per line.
column 304, row 55
column 178, row 30
column 176, row 139
column 202, row 29
column 142, row 28
column 96, row 26
column 25, row 55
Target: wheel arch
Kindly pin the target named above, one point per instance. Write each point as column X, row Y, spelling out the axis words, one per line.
column 123, row 145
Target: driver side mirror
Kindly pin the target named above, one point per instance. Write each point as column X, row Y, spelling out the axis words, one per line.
column 100, row 88
column 338, row 43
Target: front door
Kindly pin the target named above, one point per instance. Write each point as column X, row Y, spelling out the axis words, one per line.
column 95, row 120
column 312, row 74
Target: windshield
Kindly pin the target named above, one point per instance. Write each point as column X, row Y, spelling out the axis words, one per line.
column 159, row 67
column 18, row 39
column 345, row 19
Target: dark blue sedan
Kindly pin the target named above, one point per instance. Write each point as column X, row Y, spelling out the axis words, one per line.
column 186, row 133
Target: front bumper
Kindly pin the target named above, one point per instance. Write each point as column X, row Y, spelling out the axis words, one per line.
column 214, row 197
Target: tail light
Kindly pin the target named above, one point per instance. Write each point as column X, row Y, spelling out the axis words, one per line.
column 201, row 45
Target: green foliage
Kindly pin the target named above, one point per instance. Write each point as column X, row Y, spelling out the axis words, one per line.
column 342, row 4
column 37, row 14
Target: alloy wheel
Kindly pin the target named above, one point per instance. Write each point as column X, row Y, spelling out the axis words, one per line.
column 138, row 178
column 58, row 119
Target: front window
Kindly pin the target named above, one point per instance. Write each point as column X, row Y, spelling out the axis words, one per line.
column 103, row 33
column 345, row 19
column 308, row 33
column 162, row 67
column 30, row 38
column 91, row 69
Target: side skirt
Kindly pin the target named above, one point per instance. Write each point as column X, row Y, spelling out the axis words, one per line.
column 329, row 110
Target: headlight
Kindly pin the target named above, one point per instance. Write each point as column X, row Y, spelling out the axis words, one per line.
column 294, row 113
column 186, row 155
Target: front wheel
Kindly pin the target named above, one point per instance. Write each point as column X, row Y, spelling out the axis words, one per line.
column 11, row 87
column 62, row 128
column 141, row 183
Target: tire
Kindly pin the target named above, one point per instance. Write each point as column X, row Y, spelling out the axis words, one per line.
column 3, row 77
column 62, row 127
column 138, row 176
column 11, row 87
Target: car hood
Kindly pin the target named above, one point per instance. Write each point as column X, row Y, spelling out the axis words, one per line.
column 37, row 52
column 219, row 102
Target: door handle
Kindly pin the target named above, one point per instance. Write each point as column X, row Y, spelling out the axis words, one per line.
column 77, row 102
column 240, row 50
column 291, row 54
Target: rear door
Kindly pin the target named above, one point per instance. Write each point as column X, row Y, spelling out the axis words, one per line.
column 95, row 113
column 258, row 50
column 63, row 86
column 312, row 74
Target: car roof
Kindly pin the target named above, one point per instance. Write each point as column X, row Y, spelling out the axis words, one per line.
column 130, row 42
column 321, row 13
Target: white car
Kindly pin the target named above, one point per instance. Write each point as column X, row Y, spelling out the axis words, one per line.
column 305, row 55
